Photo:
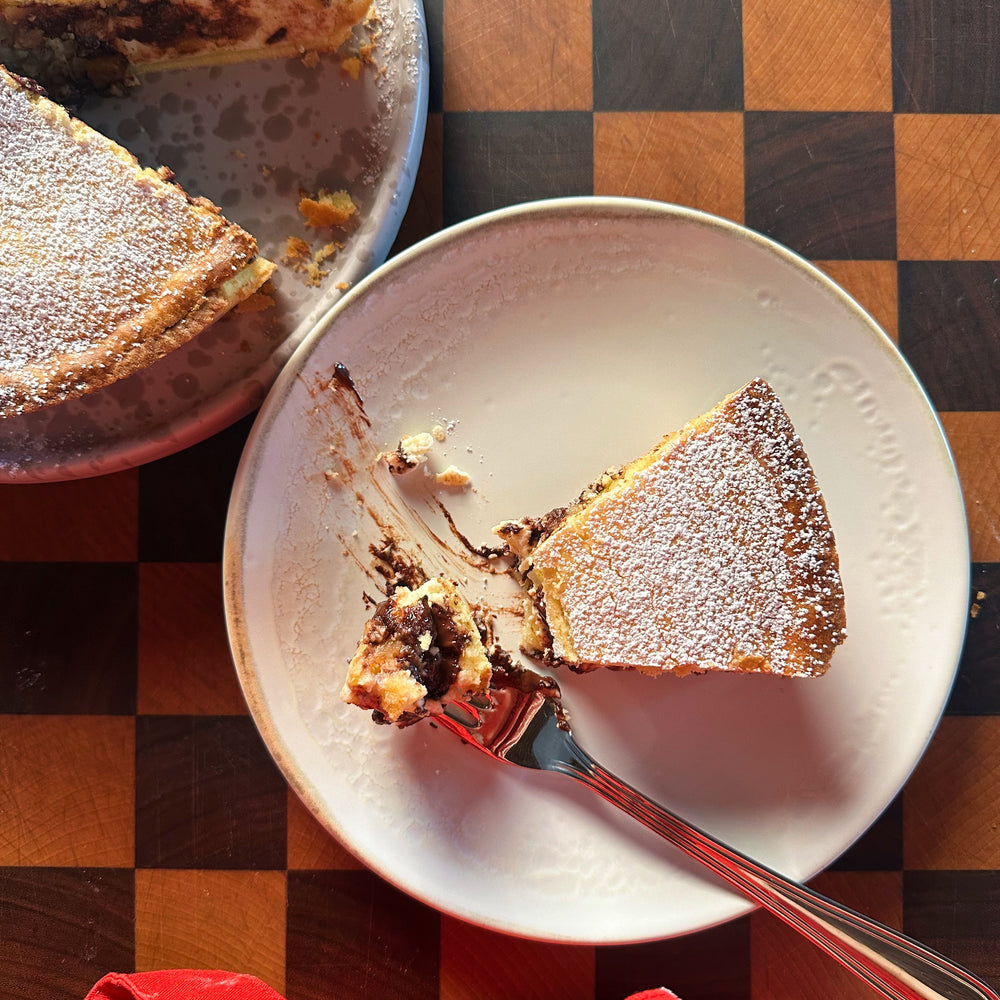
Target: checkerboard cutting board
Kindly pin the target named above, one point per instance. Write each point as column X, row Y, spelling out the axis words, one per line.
column 143, row 823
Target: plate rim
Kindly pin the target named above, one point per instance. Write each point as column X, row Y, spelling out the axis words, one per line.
column 241, row 497
column 235, row 403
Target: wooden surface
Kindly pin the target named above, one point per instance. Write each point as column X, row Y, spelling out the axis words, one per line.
column 142, row 823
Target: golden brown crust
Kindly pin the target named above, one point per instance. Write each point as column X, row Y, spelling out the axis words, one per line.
column 177, row 328
column 711, row 552
column 106, row 272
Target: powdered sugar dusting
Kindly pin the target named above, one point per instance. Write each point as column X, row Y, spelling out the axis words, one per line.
column 719, row 555
column 86, row 243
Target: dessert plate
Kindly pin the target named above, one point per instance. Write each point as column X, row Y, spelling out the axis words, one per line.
column 549, row 342
column 250, row 137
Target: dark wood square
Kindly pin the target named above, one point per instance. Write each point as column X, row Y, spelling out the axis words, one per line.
column 690, row 965
column 63, row 929
column 424, row 215
column 977, row 686
column 182, row 510
column 208, row 795
column 956, row 913
column 68, row 634
column 350, row 934
column 822, row 183
column 499, row 158
column 668, row 56
column 76, row 520
column 945, row 307
column 944, row 56
column 434, row 21
column 880, row 847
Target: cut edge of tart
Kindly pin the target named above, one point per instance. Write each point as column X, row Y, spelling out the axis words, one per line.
column 102, row 44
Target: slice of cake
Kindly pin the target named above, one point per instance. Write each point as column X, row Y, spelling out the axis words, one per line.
column 99, row 43
column 714, row 551
column 104, row 266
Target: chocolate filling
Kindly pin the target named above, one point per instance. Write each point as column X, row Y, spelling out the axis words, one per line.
column 72, row 50
column 436, row 667
column 156, row 22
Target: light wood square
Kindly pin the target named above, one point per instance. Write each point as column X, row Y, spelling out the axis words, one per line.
column 232, row 920
column 975, row 443
column 785, row 965
column 872, row 284
column 947, row 187
column 478, row 964
column 67, row 795
column 310, row 846
column 84, row 520
column 512, row 55
column 817, row 55
column 951, row 805
column 693, row 159
column 185, row 666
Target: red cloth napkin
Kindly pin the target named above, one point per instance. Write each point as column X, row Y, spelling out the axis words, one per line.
column 206, row 984
column 181, row 984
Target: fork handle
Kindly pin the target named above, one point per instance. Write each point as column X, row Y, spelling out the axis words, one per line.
column 890, row 962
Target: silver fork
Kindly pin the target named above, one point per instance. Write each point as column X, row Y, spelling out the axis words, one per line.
column 531, row 729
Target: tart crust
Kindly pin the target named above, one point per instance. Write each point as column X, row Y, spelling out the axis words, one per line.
column 105, row 266
column 713, row 551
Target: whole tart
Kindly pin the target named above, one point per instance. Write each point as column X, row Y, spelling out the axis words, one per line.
column 713, row 551
column 104, row 266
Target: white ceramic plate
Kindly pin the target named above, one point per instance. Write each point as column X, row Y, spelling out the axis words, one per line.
column 248, row 137
column 554, row 340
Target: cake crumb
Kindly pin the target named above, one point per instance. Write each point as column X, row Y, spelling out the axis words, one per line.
column 296, row 251
column 315, row 272
column 350, row 66
column 302, row 258
column 413, row 450
column 326, row 251
column 410, row 452
column 261, row 300
column 453, row 476
column 327, row 209
column 976, row 605
column 363, row 55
